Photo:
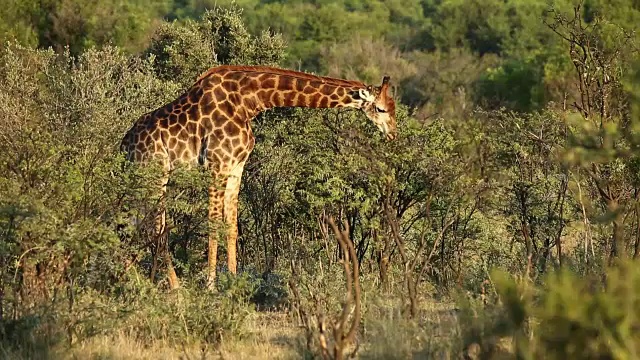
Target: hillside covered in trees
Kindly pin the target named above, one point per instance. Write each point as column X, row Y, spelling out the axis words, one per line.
column 511, row 191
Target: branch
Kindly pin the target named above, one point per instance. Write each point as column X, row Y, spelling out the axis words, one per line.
column 352, row 275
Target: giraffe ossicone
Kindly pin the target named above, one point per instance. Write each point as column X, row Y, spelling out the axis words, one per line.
column 210, row 125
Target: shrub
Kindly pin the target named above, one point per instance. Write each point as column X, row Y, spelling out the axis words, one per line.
column 184, row 51
column 568, row 316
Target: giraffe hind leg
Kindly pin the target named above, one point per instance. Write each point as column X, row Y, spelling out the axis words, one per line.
column 161, row 233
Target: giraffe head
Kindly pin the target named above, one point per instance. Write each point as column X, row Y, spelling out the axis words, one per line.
column 379, row 107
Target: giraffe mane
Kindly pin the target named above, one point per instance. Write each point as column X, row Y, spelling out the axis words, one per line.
column 278, row 71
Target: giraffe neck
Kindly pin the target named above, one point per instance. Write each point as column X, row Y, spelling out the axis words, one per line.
column 241, row 92
column 292, row 91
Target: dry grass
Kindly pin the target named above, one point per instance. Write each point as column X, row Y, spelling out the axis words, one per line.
column 391, row 336
column 386, row 334
column 122, row 347
column 270, row 336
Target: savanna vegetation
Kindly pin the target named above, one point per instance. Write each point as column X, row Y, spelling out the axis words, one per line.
column 503, row 222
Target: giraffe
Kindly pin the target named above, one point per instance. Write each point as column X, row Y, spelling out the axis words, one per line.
column 210, row 125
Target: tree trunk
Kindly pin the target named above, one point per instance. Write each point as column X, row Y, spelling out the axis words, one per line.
column 618, row 248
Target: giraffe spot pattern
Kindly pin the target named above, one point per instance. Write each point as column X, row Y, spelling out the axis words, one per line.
column 206, row 125
column 226, row 145
column 235, row 98
column 219, row 95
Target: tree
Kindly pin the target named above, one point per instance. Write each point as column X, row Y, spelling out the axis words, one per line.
column 600, row 51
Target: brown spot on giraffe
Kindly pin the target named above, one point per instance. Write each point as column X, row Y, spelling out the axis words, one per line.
column 195, row 95
column 163, row 111
column 237, row 152
column 300, row 85
column 269, row 83
column 194, row 113
column 314, row 100
column 235, row 143
column 227, row 108
column 172, row 142
column 212, row 120
column 277, row 98
column 235, row 98
column 285, row 83
column 206, row 126
column 230, row 86
column 231, row 129
column 265, row 95
column 207, row 104
column 219, row 94
column 289, row 97
column 327, row 90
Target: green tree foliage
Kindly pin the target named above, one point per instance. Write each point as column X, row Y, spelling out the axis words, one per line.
column 81, row 24
column 16, row 25
column 184, row 51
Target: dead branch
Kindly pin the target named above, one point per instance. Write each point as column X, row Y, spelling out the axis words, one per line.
column 343, row 339
column 334, row 336
column 411, row 281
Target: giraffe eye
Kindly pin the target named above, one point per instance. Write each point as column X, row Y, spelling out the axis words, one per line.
column 380, row 110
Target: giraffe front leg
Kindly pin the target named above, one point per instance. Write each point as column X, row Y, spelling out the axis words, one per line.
column 216, row 230
column 231, row 215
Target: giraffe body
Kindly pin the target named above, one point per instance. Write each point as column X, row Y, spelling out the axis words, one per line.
column 210, row 125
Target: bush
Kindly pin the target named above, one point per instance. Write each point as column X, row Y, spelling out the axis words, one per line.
column 136, row 310
column 184, row 51
column 604, row 324
column 569, row 316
